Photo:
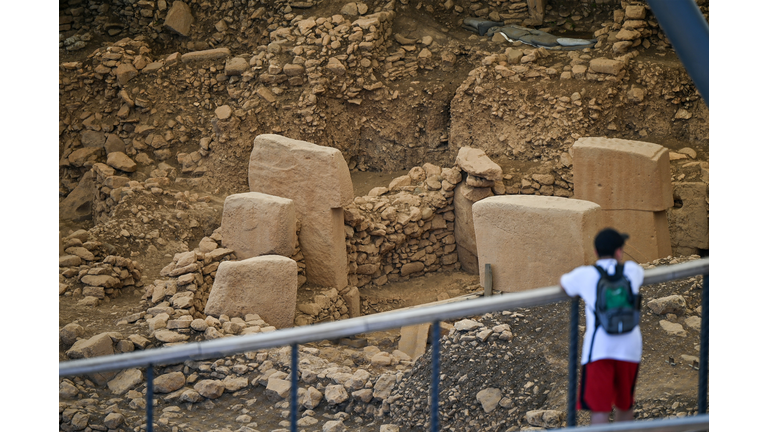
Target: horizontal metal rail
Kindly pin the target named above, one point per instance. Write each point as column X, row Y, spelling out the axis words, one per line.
column 349, row 327
column 681, row 424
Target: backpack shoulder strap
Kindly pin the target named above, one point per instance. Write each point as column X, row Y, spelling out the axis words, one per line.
column 601, row 270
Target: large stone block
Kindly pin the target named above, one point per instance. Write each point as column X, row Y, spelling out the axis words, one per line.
column 530, row 241
column 264, row 285
column 621, row 174
column 317, row 179
column 648, row 233
column 255, row 224
column 98, row 345
column 476, row 162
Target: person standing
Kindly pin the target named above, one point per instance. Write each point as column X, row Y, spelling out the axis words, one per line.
column 609, row 361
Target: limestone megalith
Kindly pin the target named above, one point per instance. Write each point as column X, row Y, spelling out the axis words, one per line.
column 255, row 224
column 531, row 240
column 317, row 179
column 621, row 174
column 631, row 182
column 264, row 285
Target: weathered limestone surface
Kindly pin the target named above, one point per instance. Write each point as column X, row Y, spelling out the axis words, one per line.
column 690, row 218
column 255, row 224
column 464, row 230
column 210, row 54
column 317, row 179
column 78, row 204
column 476, row 162
column 98, row 345
column 264, row 285
column 179, row 18
column 648, row 233
column 621, row 174
column 413, row 340
column 531, row 240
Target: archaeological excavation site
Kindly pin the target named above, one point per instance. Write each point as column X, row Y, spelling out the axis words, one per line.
column 240, row 169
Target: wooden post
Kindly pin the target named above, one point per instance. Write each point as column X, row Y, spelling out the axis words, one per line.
column 488, row 281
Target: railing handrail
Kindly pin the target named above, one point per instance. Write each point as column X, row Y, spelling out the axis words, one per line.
column 699, row 422
column 349, row 327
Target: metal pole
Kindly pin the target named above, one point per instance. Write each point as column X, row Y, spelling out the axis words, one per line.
column 294, row 385
column 677, row 424
column 686, row 28
column 435, row 374
column 488, row 285
column 573, row 362
column 704, row 347
column 150, row 397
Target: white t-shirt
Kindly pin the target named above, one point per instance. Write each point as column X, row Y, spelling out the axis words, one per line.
column 582, row 282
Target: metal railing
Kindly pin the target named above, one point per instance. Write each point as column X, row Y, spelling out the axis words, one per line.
column 383, row 321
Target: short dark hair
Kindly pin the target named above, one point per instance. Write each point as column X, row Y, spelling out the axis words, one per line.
column 608, row 241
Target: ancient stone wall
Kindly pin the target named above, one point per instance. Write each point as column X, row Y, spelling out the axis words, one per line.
column 87, row 268
column 404, row 230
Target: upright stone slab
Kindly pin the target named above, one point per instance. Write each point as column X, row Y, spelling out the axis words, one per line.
column 648, row 233
column 317, row 179
column 464, row 230
column 255, row 224
column 413, row 340
column 530, row 241
column 264, row 285
column 621, row 174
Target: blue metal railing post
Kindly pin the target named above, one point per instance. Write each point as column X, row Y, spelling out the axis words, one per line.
column 435, row 374
column 573, row 362
column 150, row 396
column 688, row 32
column 294, row 385
column 704, row 347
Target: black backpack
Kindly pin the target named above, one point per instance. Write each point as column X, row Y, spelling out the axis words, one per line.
column 617, row 309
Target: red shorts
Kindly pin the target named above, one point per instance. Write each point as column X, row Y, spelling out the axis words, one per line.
column 607, row 383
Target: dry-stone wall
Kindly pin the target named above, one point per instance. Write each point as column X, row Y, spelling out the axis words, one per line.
column 404, row 230
column 87, row 269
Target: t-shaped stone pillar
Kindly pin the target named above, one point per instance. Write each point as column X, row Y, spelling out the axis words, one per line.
column 630, row 180
column 317, row 179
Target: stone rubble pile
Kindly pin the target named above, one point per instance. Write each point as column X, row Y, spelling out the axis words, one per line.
column 489, row 390
column 305, row 53
column 329, row 305
column 89, row 270
column 353, row 390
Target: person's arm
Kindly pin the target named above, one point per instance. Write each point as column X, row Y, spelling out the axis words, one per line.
column 564, row 281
